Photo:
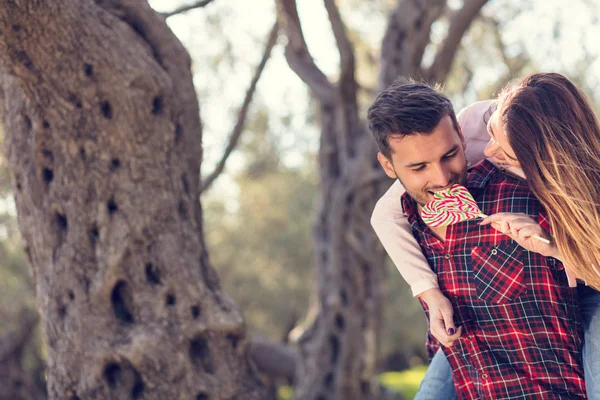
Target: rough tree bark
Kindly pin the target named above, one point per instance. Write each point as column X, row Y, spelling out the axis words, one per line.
column 339, row 347
column 103, row 136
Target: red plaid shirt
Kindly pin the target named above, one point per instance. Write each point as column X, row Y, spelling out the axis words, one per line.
column 522, row 332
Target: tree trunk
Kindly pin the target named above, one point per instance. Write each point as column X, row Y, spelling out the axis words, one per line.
column 339, row 347
column 103, row 136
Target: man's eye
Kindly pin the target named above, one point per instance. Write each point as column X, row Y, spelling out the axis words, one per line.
column 421, row 168
column 450, row 155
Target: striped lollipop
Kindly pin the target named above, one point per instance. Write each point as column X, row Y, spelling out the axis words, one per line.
column 455, row 205
column 450, row 206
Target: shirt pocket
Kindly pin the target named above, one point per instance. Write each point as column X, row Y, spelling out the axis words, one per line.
column 498, row 272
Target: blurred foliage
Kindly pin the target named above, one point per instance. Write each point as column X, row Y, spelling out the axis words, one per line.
column 261, row 246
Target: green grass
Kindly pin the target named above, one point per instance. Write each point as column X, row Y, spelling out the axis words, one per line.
column 406, row 382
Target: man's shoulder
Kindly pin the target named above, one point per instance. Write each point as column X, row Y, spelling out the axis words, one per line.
column 486, row 175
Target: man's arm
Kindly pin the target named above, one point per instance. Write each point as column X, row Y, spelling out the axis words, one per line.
column 394, row 232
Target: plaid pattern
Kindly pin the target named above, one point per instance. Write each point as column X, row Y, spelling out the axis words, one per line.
column 522, row 332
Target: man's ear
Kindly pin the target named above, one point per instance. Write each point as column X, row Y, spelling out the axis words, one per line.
column 387, row 166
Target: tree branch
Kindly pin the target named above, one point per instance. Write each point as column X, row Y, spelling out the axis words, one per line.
column 243, row 113
column 459, row 24
column 183, row 9
column 345, row 48
column 298, row 56
column 405, row 39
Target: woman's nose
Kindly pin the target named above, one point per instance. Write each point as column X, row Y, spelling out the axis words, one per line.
column 492, row 150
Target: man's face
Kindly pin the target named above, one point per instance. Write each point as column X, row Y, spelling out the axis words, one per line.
column 427, row 163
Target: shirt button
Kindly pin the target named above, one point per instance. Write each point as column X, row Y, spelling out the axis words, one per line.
column 447, row 256
column 485, row 376
column 494, row 252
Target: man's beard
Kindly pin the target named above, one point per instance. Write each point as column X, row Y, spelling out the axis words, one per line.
column 423, row 197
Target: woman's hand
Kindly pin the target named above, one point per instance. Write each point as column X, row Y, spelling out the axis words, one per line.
column 441, row 317
column 523, row 229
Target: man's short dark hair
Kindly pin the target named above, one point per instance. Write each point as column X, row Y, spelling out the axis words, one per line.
column 407, row 109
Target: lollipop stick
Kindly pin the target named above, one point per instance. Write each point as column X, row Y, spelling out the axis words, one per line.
column 541, row 239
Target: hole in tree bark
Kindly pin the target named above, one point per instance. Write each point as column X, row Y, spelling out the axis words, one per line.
column 19, row 186
column 233, row 339
column 200, row 355
column 152, row 274
column 82, row 153
column 201, row 396
column 170, row 299
column 112, row 206
column 115, row 163
column 47, row 175
column 16, row 28
column 178, row 133
column 182, row 209
column 73, row 99
column 106, row 109
column 112, row 374
column 339, row 322
column 48, row 154
column 94, row 234
column 419, row 23
column 62, row 311
column 88, row 69
column 46, row 124
column 157, row 105
column 27, row 122
column 334, row 343
column 71, row 295
column 138, row 386
column 61, row 221
column 186, row 185
column 329, row 380
column 23, row 58
column 195, row 311
column 117, row 376
column 365, row 387
column 344, row 297
column 122, row 302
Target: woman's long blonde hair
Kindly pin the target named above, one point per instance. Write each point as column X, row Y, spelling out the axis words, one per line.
column 556, row 138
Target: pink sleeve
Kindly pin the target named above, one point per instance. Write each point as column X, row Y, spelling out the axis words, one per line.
column 474, row 130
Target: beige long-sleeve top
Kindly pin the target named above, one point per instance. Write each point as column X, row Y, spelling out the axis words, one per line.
column 392, row 226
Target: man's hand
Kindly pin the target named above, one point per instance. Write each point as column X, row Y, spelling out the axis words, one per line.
column 522, row 229
column 441, row 321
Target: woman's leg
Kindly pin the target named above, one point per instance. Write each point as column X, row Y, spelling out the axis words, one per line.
column 437, row 383
column 589, row 301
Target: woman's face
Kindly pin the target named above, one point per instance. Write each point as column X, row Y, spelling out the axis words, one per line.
column 498, row 147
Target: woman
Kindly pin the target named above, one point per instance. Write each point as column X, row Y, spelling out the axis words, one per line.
column 545, row 126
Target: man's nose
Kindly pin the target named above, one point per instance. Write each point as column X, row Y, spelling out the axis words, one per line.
column 441, row 176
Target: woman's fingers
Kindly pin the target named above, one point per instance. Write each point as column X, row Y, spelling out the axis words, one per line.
column 499, row 217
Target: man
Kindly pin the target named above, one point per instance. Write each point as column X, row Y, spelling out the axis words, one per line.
column 519, row 325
